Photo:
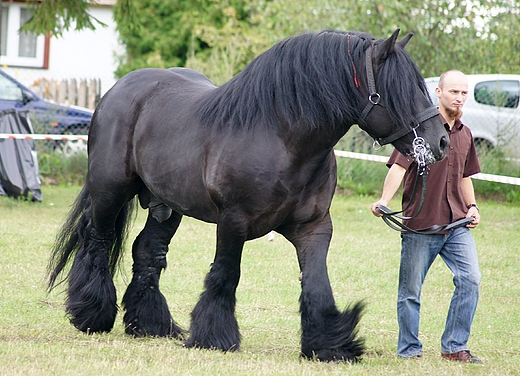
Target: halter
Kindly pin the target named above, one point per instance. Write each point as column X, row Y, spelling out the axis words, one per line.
column 374, row 99
column 421, row 154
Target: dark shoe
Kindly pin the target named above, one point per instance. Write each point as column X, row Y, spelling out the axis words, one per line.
column 463, row 356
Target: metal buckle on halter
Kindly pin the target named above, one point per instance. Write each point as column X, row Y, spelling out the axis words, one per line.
column 376, row 145
column 421, row 153
column 376, row 96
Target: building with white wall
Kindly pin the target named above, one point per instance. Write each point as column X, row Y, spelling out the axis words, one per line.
column 85, row 54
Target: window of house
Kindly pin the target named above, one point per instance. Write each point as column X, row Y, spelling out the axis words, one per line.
column 22, row 49
column 27, row 40
column 500, row 93
column 5, row 11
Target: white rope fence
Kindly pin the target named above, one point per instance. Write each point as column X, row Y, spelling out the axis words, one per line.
column 48, row 137
column 339, row 153
column 380, row 158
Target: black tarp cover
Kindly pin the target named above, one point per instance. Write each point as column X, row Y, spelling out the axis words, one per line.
column 19, row 174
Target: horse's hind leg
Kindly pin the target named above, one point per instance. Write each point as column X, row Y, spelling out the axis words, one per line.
column 91, row 296
column 147, row 313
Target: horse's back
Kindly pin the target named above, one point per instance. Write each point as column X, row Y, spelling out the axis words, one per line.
column 148, row 90
column 192, row 75
column 143, row 84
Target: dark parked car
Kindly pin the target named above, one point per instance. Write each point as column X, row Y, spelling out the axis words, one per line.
column 46, row 116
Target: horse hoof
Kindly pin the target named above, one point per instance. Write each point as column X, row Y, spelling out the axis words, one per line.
column 224, row 348
column 87, row 323
column 332, row 355
column 171, row 330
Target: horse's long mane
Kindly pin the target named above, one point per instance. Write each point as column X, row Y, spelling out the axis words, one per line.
column 310, row 80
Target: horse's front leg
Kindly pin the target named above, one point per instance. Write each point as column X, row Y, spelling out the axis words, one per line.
column 213, row 322
column 327, row 333
column 147, row 312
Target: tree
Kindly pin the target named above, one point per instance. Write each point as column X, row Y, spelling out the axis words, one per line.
column 57, row 16
column 172, row 30
column 474, row 36
column 220, row 37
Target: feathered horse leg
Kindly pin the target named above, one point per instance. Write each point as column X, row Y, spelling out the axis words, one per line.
column 327, row 333
column 213, row 321
column 147, row 312
column 91, row 295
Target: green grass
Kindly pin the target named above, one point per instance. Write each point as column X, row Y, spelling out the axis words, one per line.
column 36, row 338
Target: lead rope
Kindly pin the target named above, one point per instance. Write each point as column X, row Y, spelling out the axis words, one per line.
column 423, row 156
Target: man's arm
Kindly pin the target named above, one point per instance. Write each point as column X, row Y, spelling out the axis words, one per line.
column 392, row 183
column 468, row 193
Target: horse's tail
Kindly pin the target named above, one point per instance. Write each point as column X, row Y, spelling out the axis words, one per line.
column 74, row 233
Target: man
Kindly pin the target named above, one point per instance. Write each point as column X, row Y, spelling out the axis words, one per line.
column 449, row 197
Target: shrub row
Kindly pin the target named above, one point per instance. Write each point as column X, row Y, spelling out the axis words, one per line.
column 355, row 177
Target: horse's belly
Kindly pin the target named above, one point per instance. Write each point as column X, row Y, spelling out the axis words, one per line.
column 183, row 191
column 194, row 206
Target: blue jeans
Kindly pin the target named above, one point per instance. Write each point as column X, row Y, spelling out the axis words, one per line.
column 418, row 252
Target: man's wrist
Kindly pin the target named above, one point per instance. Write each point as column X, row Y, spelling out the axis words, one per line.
column 473, row 206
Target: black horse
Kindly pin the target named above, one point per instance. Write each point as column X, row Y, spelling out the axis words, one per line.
column 253, row 155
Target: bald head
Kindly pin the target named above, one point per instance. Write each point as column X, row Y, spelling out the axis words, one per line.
column 452, row 77
column 452, row 92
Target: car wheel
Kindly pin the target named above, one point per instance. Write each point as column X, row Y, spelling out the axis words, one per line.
column 483, row 146
column 70, row 148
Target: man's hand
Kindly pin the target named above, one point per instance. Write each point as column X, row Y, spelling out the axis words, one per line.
column 374, row 206
column 473, row 212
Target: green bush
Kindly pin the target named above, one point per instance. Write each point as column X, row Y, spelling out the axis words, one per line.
column 57, row 168
column 355, row 177
column 495, row 162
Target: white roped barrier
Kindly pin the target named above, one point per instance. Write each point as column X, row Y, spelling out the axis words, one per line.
column 339, row 153
column 380, row 158
column 48, row 137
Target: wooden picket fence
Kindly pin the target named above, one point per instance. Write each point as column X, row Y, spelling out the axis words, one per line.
column 83, row 92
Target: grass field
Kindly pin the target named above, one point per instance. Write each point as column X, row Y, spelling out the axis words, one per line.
column 36, row 338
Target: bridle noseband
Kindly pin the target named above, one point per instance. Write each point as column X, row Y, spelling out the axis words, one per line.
column 374, row 99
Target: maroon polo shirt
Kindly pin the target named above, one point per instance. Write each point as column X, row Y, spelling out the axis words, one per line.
column 443, row 202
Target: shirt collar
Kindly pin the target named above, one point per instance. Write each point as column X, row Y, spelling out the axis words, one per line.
column 457, row 125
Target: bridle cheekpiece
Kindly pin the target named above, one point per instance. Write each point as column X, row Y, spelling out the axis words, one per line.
column 374, row 99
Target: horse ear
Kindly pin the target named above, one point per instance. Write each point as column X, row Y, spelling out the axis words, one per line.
column 387, row 47
column 403, row 42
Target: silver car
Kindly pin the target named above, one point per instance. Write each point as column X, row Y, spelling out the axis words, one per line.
column 492, row 110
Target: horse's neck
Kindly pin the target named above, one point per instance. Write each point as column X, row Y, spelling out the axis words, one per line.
column 316, row 141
